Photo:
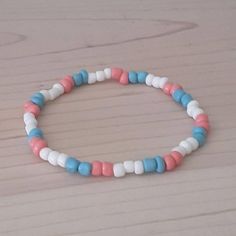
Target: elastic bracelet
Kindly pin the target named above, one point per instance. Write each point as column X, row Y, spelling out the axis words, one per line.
column 157, row 164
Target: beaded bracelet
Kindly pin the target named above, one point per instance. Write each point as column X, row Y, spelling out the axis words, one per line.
column 158, row 164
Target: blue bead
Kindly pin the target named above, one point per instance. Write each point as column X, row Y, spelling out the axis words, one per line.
column 38, row 99
column 36, row 132
column 133, row 77
column 200, row 138
column 78, row 79
column 200, row 130
column 161, row 167
column 178, row 94
column 85, row 168
column 84, row 74
column 185, row 99
column 72, row 165
column 142, row 76
column 149, row 165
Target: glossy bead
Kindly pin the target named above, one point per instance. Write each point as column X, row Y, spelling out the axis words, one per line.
column 67, row 83
column 177, row 157
column 116, row 73
column 72, row 165
column 124, row 78
column 44, row 152
column 142, row 77
column 78, row 79
column 92, row 78
column 32, row 108
column 167, row 88
column 156, row 82
column 180, row 149
column 100, row 75
column 107, row 73
column 177, row 95
column 175, row 87
column 52, row 157
column 149, row 165
column 193, row 103
column 85, row 75
column 107, row 169
column 169, row 162
column 38, row 99
column 199, row 130
column 58, row 88
column 162, row 82
column 194, row 143
column 149, row 79
column 96, row 168
column 133, row 77
column 160, row 164
column 202, row 117
column 61, row 160
column 129, row 166
column 185, row 99
column 187, row 146
column 138, row 167
column 200, row 138
column 118, row 170
column 203, row 124
column 85, row 168
column 36, row 132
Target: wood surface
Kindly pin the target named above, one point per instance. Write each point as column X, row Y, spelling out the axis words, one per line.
column 191, row 42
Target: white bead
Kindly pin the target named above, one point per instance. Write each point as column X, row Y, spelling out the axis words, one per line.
column 44, row 152
column 162, row 82
column 194, row 143
column 29, row 127
column 59, row 87
column 100, row 76
column 187, row 146
column 107, row 72
column 190, row 110
column 129, row 166
column 30, row 118
column 118, row 170
column 52, row 157
column 197, row 111
column 180, row 149
column 156, row 82
column 149, row 79
column 61, row 160
column 138, row 167
column 92, row 78
column 193, row 103
column 46, row 95
column 54, row 93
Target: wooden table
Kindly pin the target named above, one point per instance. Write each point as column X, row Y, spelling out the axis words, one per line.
column 191, row 42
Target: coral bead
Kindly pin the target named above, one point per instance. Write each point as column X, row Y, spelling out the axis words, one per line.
column 175, row 87
column 170, row 162
column 107, row 169
column 32, row 108
column 203, row 124
column 116, row 73
column 67, row 83
column 96, row 168
column 37, row 144
column 167, row 88
column 177, row 157
column 202, row 117
column 124, row 79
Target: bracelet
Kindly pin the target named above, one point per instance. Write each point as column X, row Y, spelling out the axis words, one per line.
column 158, row 164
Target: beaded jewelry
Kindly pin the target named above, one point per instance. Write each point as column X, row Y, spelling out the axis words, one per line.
column 158, row 164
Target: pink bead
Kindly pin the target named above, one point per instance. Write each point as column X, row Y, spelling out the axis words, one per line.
column 167, row 88
column 96, row 168
column 175, row 87
column 202, row 117
column 116, row 73
column 124, row 79
column 37, row 144
column 107, row 169
column 177, row 157
column 203, row 124
column 67, row 83
column 32, row 108
column 170, row 162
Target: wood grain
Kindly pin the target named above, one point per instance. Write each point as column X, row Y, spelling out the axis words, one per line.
column 192, row 42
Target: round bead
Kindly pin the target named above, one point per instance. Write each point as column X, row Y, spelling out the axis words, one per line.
column 194, row 143
column 29, row 127
column 100, row 75
column 203, row 124
column 156, row 82
column 142, row 76
column 61, row 160
column 129, row 166
column 107, row 72
column 92, row 78
column 167, row 88
column 177, row 157
column 177, row 95
column 44, row 152
column 37, row 144
column 45, row 94
column 32, row 108
column 202, row 117
column 149, row 165
column 162, row 82
column 175, row 87
column 193, row 103
column 180, row 149
column 160, row 164
column 72, row 165
column 67, row 83
column 52, row 158
column 118, row 170
column 187, row 146
column 55, row 92
column 199, row 130
column 85, row 168
column 196, row 111
column 31, row 120
column 28, row 117
column 107, row 169
column 170, row 162
column 84, row 74
column 200, row 138
column 149, row 79
column 133, row 77
column 138, row 167
column 38, row 99
column 96, row 168
column 186, row 99
column 36, row 132
column 59, row 88
column 116, row 73
column 124, row 79
column 78, row 79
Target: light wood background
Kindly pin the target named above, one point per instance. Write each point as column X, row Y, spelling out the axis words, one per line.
column 191, row 42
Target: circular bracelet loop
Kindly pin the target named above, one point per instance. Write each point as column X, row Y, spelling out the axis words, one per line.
column 158, row 164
